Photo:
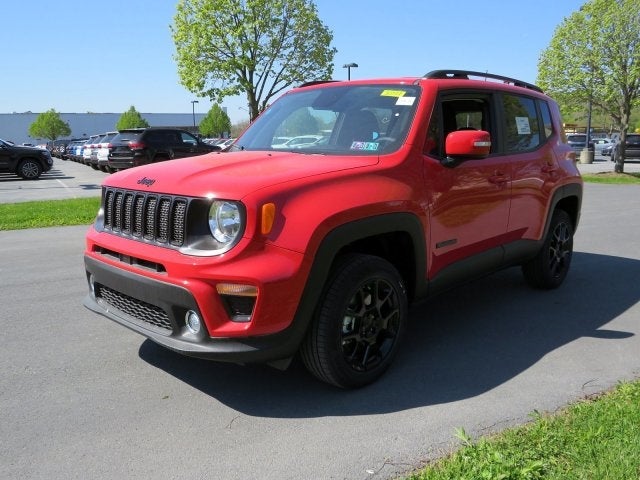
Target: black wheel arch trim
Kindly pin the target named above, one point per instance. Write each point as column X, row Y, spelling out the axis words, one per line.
column 571, row 191
column 341, row 237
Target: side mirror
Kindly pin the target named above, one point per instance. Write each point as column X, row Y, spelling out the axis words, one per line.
column 468, row 144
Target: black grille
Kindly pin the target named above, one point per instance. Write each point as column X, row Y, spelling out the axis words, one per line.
column 151, row 314
column 155, row 218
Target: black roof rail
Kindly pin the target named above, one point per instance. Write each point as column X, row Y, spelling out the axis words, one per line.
column 316, row 82
column 467, row 73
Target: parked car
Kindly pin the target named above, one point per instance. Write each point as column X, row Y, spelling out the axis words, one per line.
column 599, row 144
column 300, row 141
column 607, row 149
column 88, row 148
column 264, row 254
column 27, row 162
column 577, row 141
column 631, row 150
column 225, row 144
column 76, row 153
column 103, row 151
column 135, row 147
column 70, row 151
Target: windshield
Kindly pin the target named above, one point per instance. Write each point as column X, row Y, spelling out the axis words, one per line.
column 341, row 119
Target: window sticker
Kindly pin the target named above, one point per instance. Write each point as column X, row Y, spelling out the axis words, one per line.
column 369, row 146
column 407, row 101
column 392, row 93
column 522, row 124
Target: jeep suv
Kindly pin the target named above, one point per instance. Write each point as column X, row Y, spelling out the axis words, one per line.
column 271, row 251
column 139, row 146
column 27, row 162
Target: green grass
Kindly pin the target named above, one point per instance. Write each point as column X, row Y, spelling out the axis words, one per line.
column 596, row 438
column 612, row 178
column 77, row 211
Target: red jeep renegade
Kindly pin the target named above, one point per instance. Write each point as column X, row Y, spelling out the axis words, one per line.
column 339, row 206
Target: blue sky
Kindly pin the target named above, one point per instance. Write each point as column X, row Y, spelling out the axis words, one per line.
column 90, row 56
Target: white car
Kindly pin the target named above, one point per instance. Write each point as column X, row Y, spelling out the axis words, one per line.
column 601, row 143
column 104, row 147
column 88, row 148
column 299, row 142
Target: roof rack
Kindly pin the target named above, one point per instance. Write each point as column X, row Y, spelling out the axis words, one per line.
column 467, row 73
column 315, row 82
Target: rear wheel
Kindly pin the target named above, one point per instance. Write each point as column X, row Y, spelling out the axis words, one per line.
column 358, row 324
column 29, row 169
column 550, row 266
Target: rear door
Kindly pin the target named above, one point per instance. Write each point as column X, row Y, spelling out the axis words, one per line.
column 528, row 146
column 187, row 145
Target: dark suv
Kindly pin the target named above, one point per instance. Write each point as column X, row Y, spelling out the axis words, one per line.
column 319, row 249
column 28, row 162
column 631, row 148
column 139, row 146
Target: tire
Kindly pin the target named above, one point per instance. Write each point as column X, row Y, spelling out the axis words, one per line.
column 548, row 269
column 29, row 169
column 353, row 339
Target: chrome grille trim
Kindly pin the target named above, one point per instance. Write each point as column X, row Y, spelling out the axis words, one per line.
column 149, row 217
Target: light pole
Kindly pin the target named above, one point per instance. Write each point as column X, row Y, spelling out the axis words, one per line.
column 193, row 111
column 349, row 66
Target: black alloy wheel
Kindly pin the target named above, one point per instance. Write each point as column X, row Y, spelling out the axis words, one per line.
column 359, row 323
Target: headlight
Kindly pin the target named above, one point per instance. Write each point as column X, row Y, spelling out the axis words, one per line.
column 225, row 223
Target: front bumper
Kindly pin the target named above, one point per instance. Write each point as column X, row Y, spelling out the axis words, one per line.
column 158, row 311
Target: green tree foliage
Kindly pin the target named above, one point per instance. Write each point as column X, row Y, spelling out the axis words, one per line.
column 253, row 47
column 131, row 119
column 49, row 125
column 299, row 123
column 594, row 56
column 216, row 123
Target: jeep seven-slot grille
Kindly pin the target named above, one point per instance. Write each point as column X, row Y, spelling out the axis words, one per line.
column 151, row 314
column 146, row 216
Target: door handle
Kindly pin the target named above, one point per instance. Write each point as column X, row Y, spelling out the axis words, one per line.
column 498, row 179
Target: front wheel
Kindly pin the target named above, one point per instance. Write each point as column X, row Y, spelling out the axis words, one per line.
column 29, row 169
column 358, row 323
column 548, row 269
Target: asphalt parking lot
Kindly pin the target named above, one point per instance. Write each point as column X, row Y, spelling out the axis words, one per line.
column 65, row 180
column 81, row 397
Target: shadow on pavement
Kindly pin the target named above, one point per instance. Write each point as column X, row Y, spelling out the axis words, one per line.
column 459, row 345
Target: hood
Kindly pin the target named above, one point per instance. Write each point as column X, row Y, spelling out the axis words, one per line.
column 231, row 175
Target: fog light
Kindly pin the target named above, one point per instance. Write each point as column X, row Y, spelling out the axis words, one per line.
column 193, row 321
column 92, row 287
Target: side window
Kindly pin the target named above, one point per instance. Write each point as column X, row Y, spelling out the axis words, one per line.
column 521, row 123
column 188, row 139
column 457, row 112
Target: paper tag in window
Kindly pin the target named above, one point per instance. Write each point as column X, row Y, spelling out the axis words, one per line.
column 522, row 123
column 408, row 101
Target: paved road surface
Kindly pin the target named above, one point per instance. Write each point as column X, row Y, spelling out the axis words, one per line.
column 83, row 398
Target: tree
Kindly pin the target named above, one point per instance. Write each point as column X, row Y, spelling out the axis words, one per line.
column 253, row 47
column 131, row 119
column 594, row 59
column 216, row 123
column 49, row 125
